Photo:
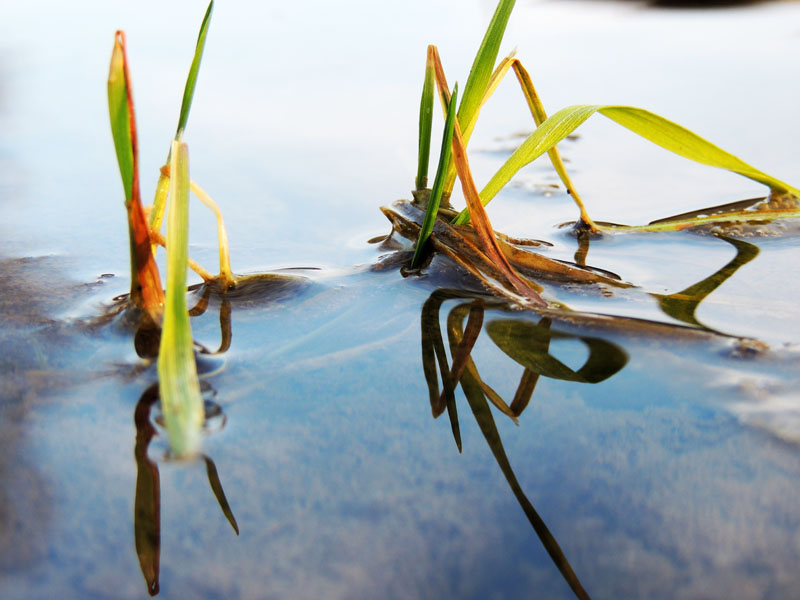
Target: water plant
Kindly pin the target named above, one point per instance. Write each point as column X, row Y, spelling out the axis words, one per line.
column 783, row 201
column 182, row 403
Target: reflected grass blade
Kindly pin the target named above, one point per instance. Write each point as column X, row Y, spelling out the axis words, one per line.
column 179, row 387
column 684, row 304
column 147, row 498
column 483, row 417
column 529, row 345
column 219, row 493
column 438, row 184
column 652, row 127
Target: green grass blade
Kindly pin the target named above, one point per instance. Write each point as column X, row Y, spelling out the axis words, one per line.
column 681, row 141
column 478, row 80
column 191, row 80
column 438, row 182
column 162, row 187
column 181, row 401
column 119, row 114
column 482, row 68
column 652, row 127
column 425, row 123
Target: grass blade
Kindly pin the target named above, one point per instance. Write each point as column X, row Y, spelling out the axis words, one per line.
column 438, row 182
column 120, row 113
column 146, row 292
column 479, row 77
column 181, row 401
column 483, row 227
column 425, row 124
column 191, row 80
column 540, row 116
column 652, row 127
column 162, row 187
column 482, row 67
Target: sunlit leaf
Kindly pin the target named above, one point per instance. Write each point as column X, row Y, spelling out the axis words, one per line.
column 482, row 67
column 162, row 187
column 191, row 80
column 650, row 126
column 425, row 123
column 181, row 401
column 146, row 292
column 120, row 114
column 479, row 77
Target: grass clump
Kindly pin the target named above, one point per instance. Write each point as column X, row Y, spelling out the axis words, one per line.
column 483, row 79
column 182, row 403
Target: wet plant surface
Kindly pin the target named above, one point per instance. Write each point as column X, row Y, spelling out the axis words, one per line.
column 636, row 438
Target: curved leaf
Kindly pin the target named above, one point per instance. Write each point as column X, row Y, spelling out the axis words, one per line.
column 652, row 127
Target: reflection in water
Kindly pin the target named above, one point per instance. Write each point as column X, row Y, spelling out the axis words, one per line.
column 254, row 290
column 147, row 501
column 683, row 305
column 529, row 345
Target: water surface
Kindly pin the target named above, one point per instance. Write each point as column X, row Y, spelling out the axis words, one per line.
column 662, row 462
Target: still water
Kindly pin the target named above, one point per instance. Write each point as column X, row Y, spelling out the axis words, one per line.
column 596, row 456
